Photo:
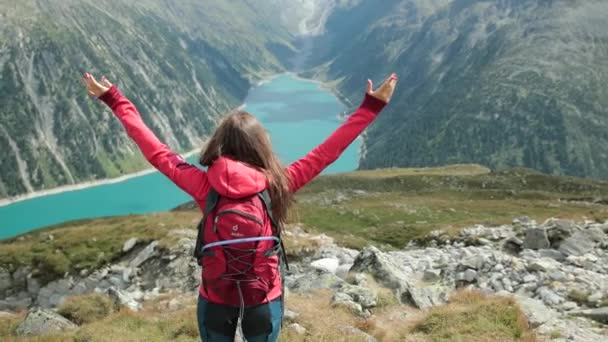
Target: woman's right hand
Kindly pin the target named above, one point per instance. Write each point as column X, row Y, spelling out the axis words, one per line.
column 385, row 92
column 95, row 88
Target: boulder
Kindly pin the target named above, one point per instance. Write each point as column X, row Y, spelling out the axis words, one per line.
column 578, row 244
column 343, row 300
column 537, row 313
column 43, row 321
column 362, row 295
column 290, row 316
column 536, row 238
column 309, row 282
column 129, row 244
column 144, row 255
column 6, row 282
column 329, row 265
column 427, row 296
column 385, row 268
column 543, row 265
column 54, row 293
column 599, row 315
column 123, row 299
column 296, row 328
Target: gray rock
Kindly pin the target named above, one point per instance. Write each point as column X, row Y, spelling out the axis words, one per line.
column 568, row 306
column 578, row 244
column 290, row 316
column 20, row 277
column 426, row 297
column 343, row 270
column 536, row 238
column 144, row 255
column 473, row 262
column 470, row 275
column 124, row 299
column 599, row 315
column 343, row 300
column 329, row 265
column 298, row 329
column 498, row 268
column 15, row 304
column 529, row 278
column 129, row 244
column 33, row 286
column 543, row 265
column 537, row 313
column 595, row 297
column 558, row 276
column 356, row 334
column 310, row 282
column 54, row 293
column 552, row 254
column 362, row 295
column 386, row 270
column 549, row 297
column 42, row 321
column 431, row 275
column 6, row 281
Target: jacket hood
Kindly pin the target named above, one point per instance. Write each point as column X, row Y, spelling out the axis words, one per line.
column 233, row 179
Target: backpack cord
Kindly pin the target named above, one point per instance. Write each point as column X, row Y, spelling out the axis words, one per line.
column 241, row 310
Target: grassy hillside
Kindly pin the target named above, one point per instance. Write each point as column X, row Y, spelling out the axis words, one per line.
column 382, row 207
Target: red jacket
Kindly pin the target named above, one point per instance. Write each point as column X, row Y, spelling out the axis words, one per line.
column 231, row 178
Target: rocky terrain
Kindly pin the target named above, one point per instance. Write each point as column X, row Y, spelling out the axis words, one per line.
column 556, row 270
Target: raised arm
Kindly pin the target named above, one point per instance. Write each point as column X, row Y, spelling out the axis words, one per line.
column 304, row 170
column 188, row 177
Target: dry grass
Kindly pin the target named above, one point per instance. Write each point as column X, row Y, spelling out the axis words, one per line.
column 449, row 170
column 87, row 308
column 469, row 316
column 323, row 322
column 473, row 317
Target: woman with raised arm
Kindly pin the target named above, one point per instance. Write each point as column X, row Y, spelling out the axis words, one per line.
column 244, row 196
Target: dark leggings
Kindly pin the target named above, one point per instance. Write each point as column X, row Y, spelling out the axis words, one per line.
column 217, row 323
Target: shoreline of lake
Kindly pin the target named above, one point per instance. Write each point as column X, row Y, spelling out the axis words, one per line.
column 105, row 181
column 83, row 185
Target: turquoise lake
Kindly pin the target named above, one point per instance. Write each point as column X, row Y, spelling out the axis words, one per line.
column 298, row 114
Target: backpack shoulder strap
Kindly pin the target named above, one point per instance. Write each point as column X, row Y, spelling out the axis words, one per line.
column 212, row 199
column 265, row 197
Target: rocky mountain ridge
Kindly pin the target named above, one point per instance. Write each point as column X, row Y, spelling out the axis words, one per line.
column 499, row 83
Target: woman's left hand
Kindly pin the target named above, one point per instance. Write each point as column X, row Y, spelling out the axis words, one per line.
column 95, row 88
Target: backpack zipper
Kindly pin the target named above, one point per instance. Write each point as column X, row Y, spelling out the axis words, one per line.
column 236, row 212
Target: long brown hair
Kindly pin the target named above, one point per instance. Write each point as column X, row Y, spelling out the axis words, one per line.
column 241, row 137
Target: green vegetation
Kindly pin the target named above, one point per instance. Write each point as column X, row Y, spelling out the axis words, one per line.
column 395, row 206
column 87, row 308
column 87, row 244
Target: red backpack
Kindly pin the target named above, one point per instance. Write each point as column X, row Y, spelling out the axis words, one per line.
column 239, row 248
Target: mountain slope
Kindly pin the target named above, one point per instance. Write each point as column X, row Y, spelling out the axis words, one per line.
column 182, row 63
column 501, row 83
